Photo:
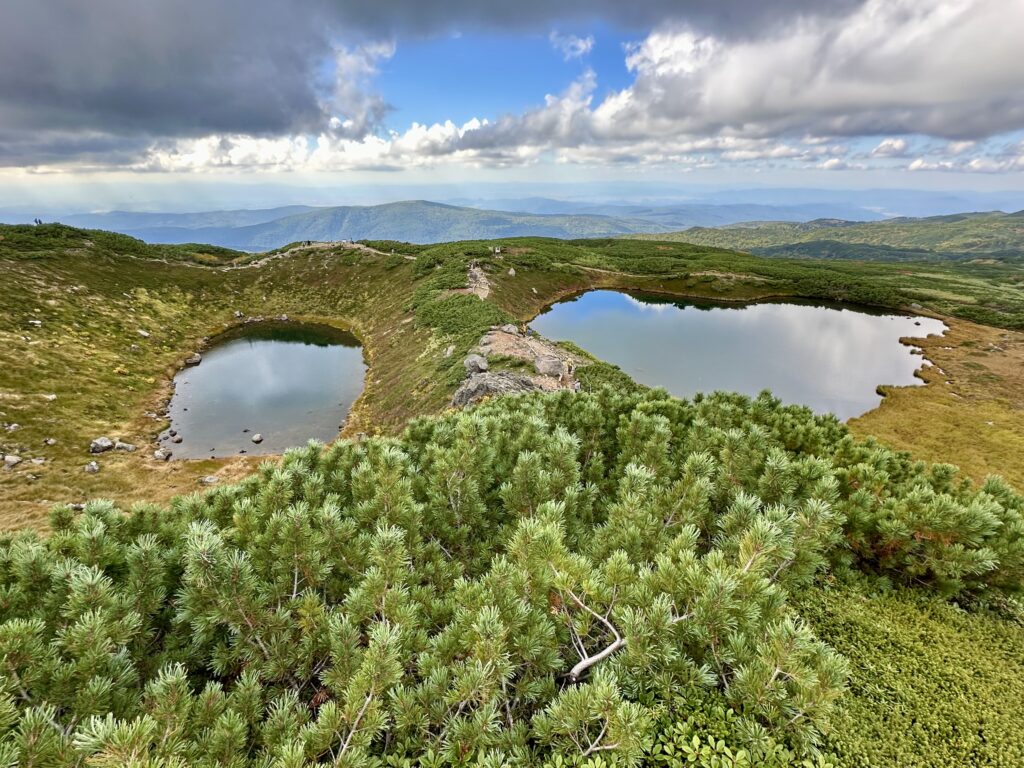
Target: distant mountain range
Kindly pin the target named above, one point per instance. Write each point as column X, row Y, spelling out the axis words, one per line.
column 428, row 222
column 958, row 236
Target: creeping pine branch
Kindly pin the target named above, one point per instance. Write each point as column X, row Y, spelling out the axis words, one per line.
column 596, row 745
column 587, row 661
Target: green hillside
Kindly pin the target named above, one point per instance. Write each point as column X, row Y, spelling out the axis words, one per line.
column 962, row 236
column 597, row 578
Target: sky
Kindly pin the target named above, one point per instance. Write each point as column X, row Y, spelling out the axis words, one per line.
column 116, row 95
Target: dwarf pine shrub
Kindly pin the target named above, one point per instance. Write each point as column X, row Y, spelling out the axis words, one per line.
column 536, row 579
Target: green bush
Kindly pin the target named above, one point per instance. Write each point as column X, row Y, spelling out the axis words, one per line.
column 537, row 578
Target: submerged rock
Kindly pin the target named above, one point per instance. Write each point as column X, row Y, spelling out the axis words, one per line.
column 482, row 385
column 475, row 364
column 257, row 438
column 101, row 445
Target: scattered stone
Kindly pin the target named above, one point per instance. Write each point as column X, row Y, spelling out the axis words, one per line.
column 176, row 439
column 209, row 480
column 92, row 467
column 172, row 432
column 126, row 447
column 283, row 318
column 49, row 441
column 36, row 323
column 143, row 334
column 548, row 365
column 511, row 271
column 195, row 359
column 37, row 461
column 915, row 305
column 475, row 364
column 101, row 445
column 449, row 350
column 238, row 315
column 49, row 398
column 13, row 427
column 11, row 461
column 161, row 454
column 257, row 438
column 534, row 291
column 483, row 385
column 77, row 507
column 510, row 328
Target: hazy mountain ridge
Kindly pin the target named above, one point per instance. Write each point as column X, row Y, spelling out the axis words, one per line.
column 422, row 221
column 967, row 235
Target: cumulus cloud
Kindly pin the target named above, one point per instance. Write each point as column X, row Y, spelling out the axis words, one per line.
column 242, row 85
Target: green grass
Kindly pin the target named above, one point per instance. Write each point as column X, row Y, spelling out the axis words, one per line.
column 932, row 684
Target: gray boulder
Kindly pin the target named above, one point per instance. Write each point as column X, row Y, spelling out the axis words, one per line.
column 483, row 385
column 195, row 359
column 475, row 364
column 161, row 454
column 11, row 461
column 50, row 441
column 548, row 365
column 101, row 445
column 257, row 438
column 209, row 480
column 510, row 328
column 92, row 467
column 126, row 447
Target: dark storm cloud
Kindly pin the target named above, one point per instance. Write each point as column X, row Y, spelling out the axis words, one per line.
column 179, row 68
column 724, row 17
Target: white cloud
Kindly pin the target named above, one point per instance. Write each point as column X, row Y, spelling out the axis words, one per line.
column 571, row 46
column 890, row 68
column 891, row 147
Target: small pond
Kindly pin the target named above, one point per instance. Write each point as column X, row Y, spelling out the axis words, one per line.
column 829, row 357
column 287, row 382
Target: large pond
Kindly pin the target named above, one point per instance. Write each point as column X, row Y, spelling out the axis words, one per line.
column 831, row 358
column 288, row 383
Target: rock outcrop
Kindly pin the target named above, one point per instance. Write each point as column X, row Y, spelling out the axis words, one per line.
column 489, row 384
column 475, row 364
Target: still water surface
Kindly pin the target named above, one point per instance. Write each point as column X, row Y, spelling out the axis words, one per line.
column 830, row 358
column 288, row 382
